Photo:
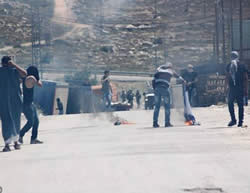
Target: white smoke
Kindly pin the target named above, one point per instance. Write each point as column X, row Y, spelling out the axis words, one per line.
column 62, row 9
column 112, row 7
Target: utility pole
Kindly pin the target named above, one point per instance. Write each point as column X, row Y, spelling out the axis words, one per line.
column 154, row 18
column 220, row 31
column 223, row 32
column 187, row 6
column 231, row 25
column 205, row 8
column 101, row 15
column 36, row 36
column 217, row 35
column 214, row 46
column 241, row 30
column 165, row 40
column 101, row 27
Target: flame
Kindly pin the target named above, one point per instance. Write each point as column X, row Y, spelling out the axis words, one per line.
column 127, row 123
column 189, row 123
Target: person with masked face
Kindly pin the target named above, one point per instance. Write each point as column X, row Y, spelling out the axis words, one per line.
column 190, row 76
column 237, row 84
column 10, row 101
column 29, row 109
column 161, row 85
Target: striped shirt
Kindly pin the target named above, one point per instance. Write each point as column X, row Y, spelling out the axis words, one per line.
column 162, row 78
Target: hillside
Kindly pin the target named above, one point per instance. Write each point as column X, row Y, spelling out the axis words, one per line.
column 139, row 35
column 16, row 27
column 127, row 35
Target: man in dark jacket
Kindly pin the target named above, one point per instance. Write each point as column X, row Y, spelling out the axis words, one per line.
column 130, row 98
column 10, row 101
column 237, row 83
column 161, row 84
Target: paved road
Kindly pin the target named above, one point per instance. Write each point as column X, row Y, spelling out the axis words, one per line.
column 86, row 153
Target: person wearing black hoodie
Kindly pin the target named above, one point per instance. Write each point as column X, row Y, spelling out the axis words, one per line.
column 29, row 109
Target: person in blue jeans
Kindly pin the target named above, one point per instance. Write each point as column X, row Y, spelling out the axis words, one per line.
column 161, row 84
column 29, row 109
column 237, row 83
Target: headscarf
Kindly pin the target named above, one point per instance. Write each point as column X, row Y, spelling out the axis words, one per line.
column 167, row 68
column 234, row 66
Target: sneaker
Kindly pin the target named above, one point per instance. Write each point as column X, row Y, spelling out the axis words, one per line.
column 155, row 125
column 36, row 141
column 168, row 125
column 240, row 124
column 17, row 146
column 231, row 123
column 20, row 140
column 6, row 148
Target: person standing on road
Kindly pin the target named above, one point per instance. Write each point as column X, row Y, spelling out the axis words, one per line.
column 130, row 98
column 59, row 106
column 29, row 109
column 161, row 85
column 106, row 89
column 138, row 98
column 10, row 101
column 123, row 96
column 190, row 76
column 237, row 84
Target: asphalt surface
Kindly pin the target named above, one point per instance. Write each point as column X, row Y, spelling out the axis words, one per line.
column 87, row 153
